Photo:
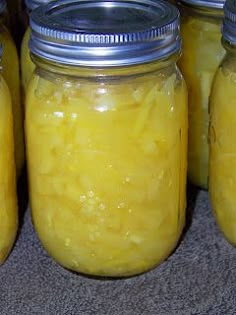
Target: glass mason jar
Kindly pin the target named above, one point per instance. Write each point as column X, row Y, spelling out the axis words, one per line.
column 27, row 65
column 8, row 209
column 222, row 164
column 202, row 54
column 10, row 72
column 106, row 129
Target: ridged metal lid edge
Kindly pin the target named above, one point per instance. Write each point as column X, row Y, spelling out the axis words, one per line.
column 55, row 40
column 217, row 4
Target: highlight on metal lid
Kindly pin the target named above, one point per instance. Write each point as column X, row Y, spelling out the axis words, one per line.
column 105, row 33
column 211, row 4
column 229, row 22
column 3, row 6
column 33, row 4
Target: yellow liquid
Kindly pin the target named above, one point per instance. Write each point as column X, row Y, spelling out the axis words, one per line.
column 202, row 54
column 8, row 203
column 10, row 73
column 107, row 170
column 222, row 166
column 27, row 65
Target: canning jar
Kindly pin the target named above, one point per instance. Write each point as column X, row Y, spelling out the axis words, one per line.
column 202, row 54
column 10, row 72
column 106, row 125
column 27, row 65
column 222, row 164
column 8, row 209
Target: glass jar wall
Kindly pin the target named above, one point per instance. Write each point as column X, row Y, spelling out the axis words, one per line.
column 107, row 157
column 8, row 209
column 27, row 65
column 106, row 145
column 10, row 72
column 202, row 54
column 222, row 166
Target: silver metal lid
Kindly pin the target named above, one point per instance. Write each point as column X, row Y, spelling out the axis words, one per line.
column 3, row 6
column 209, row 4
column 105, row 33
column 33, row 4
column 229, row 22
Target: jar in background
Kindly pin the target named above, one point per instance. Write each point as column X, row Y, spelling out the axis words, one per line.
column 222, row 164
column 106, row 129
column 27, row 65
column 10, row 72
column 202, row 54
column 8, row 201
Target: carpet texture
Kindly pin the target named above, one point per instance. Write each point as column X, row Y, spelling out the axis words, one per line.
column 198, row 278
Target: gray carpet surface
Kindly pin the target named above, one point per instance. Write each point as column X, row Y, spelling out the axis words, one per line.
column 198, row 278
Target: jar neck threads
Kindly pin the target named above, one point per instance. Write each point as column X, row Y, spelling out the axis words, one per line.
column 86, row 72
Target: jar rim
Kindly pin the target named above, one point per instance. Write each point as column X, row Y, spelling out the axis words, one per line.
column 105, row 33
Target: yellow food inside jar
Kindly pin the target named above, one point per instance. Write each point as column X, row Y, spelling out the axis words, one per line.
column 222, row 165
column 202, row 54
column 27, row 65
column 8, row 203
column 10, row 72
column 107, row 171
